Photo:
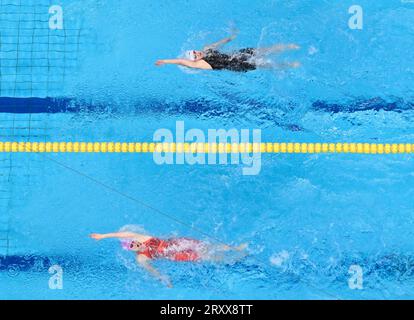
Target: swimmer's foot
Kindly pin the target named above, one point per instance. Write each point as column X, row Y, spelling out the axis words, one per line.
column 295, row 64
column 293, row 46
column 241, row 247
column 284, row 47
column 230, row 248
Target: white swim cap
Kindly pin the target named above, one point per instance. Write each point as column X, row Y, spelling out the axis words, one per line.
column 190, row 55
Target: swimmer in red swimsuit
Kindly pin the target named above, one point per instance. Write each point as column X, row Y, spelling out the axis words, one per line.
column 175, row 249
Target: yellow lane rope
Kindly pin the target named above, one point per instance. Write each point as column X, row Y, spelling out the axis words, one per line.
column 150, row 147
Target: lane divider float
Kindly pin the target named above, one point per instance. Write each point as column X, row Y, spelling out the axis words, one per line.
column 153, row 147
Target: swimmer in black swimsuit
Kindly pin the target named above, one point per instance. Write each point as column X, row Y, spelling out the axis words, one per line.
column 240, row 61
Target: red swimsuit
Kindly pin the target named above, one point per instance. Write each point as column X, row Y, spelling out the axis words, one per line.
column 179, row 249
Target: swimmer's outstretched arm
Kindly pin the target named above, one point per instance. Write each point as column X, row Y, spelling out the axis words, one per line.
column 184, row 62
column 144, row 262
column 118, row 235
column 220, row 43
column 217, row 44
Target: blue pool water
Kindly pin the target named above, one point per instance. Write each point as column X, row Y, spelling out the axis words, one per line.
column 307, row 218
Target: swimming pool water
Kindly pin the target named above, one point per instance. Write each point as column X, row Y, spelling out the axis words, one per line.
column 307, row 218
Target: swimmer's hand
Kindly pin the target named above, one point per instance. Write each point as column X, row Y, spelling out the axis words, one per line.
column 159, row 63
column 234, row 33
column 96, row 236
column 165, row 280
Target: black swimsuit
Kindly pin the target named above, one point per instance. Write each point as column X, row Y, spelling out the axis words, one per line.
column 240, row 61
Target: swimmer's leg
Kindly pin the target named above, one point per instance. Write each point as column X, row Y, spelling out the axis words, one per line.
column 280, row 66
column 218, row 253
column 295, row 64
column 278, row 48
column 224, row 247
